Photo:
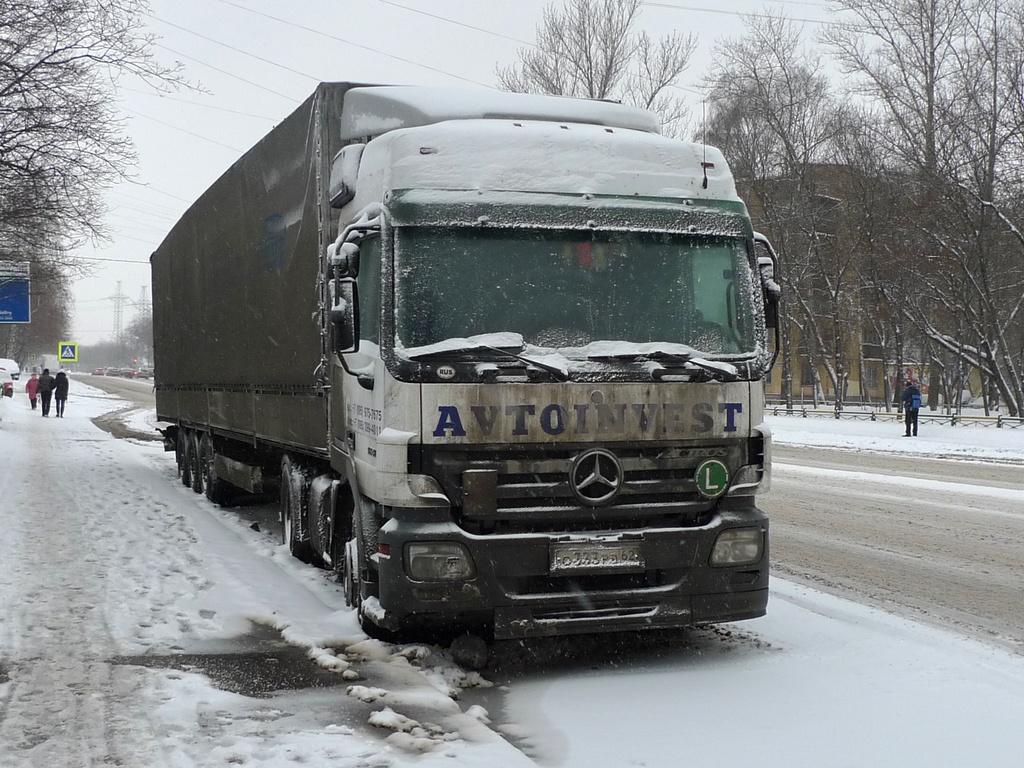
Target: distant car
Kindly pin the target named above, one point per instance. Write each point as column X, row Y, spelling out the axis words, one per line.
column 145, row 372
column 109, row 371
column 99, row 371
column 7, row 384
column 9, row 366
column 129, row 373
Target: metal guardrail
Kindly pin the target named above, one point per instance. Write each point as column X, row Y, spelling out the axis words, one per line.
column 953, row 419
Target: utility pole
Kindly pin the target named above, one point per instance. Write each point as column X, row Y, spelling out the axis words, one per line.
column 146, row 315
column 119, row 301
column 143, row 304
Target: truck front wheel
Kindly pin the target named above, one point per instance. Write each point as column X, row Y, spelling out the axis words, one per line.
column 294, row 505
column 350, row 574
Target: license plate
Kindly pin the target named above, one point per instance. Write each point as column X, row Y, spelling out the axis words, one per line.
column 596, row 557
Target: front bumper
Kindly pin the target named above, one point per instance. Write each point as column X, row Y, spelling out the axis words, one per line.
column 515, row 592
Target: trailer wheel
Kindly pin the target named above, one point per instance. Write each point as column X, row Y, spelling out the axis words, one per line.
column 294, row 503
column 195, row 466
column 185, row 468
column 179, row 450
column 217, row 490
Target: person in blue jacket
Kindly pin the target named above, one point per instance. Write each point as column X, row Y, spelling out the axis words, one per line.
column 911, row 405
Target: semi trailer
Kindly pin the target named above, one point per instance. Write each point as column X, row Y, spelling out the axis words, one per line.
column 499, row 355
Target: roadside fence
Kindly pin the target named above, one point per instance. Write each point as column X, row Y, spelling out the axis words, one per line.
column 953, row 419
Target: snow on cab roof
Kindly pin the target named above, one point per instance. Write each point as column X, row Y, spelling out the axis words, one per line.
column 374, row 110
column 535, row 156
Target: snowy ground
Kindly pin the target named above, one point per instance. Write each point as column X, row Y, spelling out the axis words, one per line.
column 103, row 554
column 974, row 442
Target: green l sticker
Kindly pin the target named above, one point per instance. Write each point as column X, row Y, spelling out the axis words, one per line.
column 712, row 478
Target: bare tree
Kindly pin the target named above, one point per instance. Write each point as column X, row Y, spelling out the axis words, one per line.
column 62, row 142
column 944, row 78
column 771, row 110
column 588, row 50
column 138, row 336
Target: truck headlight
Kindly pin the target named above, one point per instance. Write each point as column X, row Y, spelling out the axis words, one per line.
column 438, row 561
column 738, row 546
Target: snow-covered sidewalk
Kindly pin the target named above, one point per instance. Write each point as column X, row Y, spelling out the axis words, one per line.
column 969, row 442
column 105, row 554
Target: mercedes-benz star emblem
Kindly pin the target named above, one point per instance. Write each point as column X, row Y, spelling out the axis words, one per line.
column 596, row 477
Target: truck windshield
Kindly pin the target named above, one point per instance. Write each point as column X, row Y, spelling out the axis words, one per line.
column 565, row 289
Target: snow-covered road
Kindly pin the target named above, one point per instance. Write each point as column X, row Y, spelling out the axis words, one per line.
column 108, row 563
column 943, row 550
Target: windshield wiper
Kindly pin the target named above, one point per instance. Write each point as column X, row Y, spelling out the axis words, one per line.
column 706, row 369
column 475, row 350
column 463, row 351
column 560, row 374
column 716, row 369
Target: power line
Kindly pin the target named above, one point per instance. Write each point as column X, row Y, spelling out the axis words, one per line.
column 237, row 50
column 349, row 42
column 197, row 104
column 229, row 74
column 723, row 12
column 458, row 23
column 151, row 188
column 99, row 259
column 176, row 128
column 157, row 209
column 132, row 201
column 137, row 215
column 498, row 34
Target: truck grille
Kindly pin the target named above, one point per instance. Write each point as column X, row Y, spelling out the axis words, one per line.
column 512, row 489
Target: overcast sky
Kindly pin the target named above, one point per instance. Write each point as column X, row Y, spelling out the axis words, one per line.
column 258, row 59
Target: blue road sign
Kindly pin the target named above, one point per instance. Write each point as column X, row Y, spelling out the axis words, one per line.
column 14, row 292
column 67, row 352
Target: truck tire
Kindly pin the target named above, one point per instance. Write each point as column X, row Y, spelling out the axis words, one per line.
column 352, row 579
column 352, row 568
column 217, row 490
column 185, row 470
column 365, row 525
column 294, row 505
column 179, row 450
column 195, row 467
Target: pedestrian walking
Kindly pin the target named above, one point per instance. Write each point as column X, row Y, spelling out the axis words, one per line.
column 911, row 406
column 60, row 392
column 32, row 387
column 45, row 390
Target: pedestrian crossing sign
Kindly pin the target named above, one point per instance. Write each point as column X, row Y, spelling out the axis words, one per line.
column 67, row 352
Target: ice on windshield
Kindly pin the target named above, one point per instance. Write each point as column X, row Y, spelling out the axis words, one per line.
column 503, row 341
column 569, row 290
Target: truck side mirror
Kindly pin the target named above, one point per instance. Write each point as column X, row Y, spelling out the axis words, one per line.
column 767, row 262
column 772, row 292
column 346, row 259
column 344, row 172
column 344, row 315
